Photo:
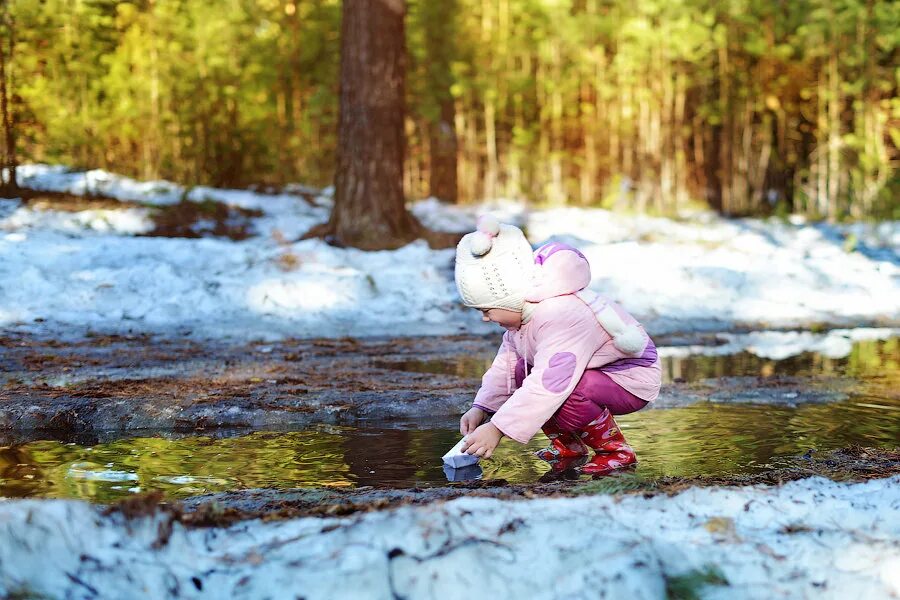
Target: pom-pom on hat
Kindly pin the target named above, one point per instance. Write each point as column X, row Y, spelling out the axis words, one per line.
column 494, row 266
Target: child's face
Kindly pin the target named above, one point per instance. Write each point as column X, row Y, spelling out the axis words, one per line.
column 507, row 319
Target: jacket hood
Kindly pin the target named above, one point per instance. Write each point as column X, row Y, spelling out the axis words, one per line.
column 559, row 269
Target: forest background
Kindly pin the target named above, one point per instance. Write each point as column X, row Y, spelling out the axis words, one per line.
column 750, row 107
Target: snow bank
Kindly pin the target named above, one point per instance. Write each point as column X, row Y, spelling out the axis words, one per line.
column 219, row 288
column 14, row 217
column 709, row 270
column 778, row 345
column 90, row 270
column 810, row 538
column 286, row 212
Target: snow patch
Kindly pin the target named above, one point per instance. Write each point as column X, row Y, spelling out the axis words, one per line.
column 809, row 537
column 86, row 270
column 125, row 221
column 778, row 345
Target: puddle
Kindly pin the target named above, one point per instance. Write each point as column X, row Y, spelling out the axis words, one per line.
column 470, row 367
column 704, row 439
column 700, row 439
column 868, row 358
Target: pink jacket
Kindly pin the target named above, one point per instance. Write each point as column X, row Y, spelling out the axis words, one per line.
column 561, row 338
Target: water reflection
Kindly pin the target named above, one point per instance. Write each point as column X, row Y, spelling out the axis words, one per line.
column 867, row 358
column 700, row 439
column 705, row 438
column 467, row 473
column 871, row 358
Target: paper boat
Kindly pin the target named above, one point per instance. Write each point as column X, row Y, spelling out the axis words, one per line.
column 457, row 459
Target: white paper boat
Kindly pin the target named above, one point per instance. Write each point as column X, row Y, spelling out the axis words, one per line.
column 457, row 459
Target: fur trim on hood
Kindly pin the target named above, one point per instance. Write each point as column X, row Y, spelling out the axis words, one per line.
column 561, row 269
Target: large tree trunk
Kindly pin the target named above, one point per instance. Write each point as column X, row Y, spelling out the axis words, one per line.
column 369, row 208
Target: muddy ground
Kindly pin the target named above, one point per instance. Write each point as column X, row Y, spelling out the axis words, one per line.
column 222, row 509
column 185, row 218
column 117, row 384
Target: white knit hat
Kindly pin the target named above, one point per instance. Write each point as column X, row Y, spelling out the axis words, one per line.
column 494, row 266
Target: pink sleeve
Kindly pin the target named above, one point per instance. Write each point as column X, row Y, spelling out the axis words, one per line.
column 566, row 340
column 497, row 382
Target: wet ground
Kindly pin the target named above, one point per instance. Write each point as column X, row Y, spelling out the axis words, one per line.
column 106, row 386
column 846, row 464
column 109, row 417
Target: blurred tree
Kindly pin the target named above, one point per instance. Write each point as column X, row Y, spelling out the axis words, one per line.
column 746, row 106
column 9, row 186
column 433, row 52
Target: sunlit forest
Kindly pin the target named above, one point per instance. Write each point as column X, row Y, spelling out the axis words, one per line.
column 749, row 107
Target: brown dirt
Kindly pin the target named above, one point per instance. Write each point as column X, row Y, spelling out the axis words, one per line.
column 64, row 202
column 175, row 220
column 119, row 383
column 221, row 510
column 436, row 239
column 109, row 383
column 221, row 220
column 139, row 505
column 855, row 463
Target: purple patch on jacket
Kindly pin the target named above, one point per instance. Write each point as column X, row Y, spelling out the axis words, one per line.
column 548, row 250
column 559, row 372
column 644, row 360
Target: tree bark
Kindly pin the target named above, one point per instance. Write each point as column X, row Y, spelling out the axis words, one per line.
column 440, row 31
column 369, row 208
column 727, row 141
column 443, row 182
column 9, row 186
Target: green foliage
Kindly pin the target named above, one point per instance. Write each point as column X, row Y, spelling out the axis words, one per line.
column 217, row 93
column 689, row 585
column 752, row 107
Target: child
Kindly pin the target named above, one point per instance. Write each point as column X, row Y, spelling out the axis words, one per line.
column 570, row 358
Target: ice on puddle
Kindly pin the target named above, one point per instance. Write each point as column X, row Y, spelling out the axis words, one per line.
column 92, row 472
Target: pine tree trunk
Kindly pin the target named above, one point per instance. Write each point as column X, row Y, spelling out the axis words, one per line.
column 515, row 184
column 726, row 142
column 821, row 150
column 589, row 117
column 834, row 138
column 9, row 186
column 680, row 145
column 443, row 144
column 369, row 208
column 665, row 117
column 490, row 143
column 440, row 30
column 557, row 189
column 467, row 167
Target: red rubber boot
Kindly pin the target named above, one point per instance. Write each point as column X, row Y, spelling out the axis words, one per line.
column 605, row 438
column 563, row 444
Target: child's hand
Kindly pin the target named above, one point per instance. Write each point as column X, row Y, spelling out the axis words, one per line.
column 472, row 419
column 482, row 441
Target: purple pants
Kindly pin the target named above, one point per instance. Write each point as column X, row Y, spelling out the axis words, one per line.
column 595, row 392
